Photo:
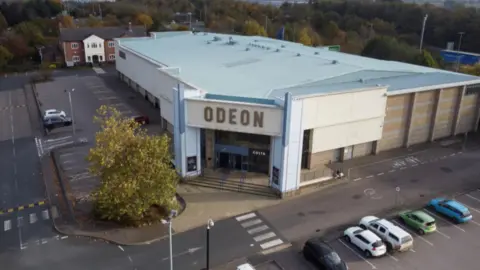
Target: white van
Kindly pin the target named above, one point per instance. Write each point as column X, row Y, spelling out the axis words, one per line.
column 396, row 238
column 245, row 266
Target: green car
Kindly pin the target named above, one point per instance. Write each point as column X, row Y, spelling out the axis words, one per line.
column 418, row 220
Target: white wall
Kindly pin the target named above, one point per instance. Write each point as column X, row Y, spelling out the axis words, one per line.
column 345, row 119
column 271, row 124
column 293, row 152
column 99, row 50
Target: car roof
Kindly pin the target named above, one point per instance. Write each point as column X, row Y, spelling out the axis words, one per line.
column 51, row 110
column 369, row 236
column 456, row 205
column 393, row 228
column 424, row 216
column 318, row 242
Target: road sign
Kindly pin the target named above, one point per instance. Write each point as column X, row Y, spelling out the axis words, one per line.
column 335, row 48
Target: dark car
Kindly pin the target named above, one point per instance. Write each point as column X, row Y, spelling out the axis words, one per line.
column 142, row 119
column 56, row 121
column 322, row 255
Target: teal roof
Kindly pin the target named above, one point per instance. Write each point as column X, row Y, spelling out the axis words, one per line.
column 260, row 67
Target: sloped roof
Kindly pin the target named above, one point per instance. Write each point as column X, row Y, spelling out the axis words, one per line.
column 77, row 34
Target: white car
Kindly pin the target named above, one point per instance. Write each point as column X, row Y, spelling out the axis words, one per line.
column 396, row 238
column 368, row 242
column 54, row 112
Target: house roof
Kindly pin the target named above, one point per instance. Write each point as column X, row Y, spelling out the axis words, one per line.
column 77, row 34
column 259, row 67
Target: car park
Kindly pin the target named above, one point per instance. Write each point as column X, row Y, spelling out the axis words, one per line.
column 419, row 221
column 54, row 112
column 366, row 241
column 394, row 237
column 322, row 255
column 452, row 209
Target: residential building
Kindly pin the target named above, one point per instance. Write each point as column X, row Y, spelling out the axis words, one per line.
column 286, row 110
column 93, row 45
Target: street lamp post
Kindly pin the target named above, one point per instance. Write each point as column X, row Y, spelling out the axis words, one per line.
column 71, row 108
column 458, row 49
column 210, row 224
column 168, row 221
column 423, row 31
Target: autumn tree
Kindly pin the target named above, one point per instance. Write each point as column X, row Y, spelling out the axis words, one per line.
column 31, row 33
column 17, row 45
column 93, row 21
column 425, row 58
column 144, row 19
column 111, row 20
column 253, row 28
column 135, row 171
column 304, row 37
column 5, row 57
column 66, row 21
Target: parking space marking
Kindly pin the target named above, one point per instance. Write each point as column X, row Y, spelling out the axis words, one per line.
column 107, row 98
column 392, row 257
column 409, row 230
column 444, row 220
column 473, row 198
column 102, row 92
column 442, row 234
column 66, row 155
column 474, row 222
column 357, row 254
column 472, row 208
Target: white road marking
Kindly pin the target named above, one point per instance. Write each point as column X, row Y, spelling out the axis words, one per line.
column 130, row 259
column 473, row 198
column 44, row 241
column 357, row 179
column 33, row 218
column 264, row 236
column 68, row 161
column 19, row 222
column 58, row 139
column 251, row 223
column 67, row 154
column 392, row 257
column 125, row 112
column 409, row 230
column 45, row 214
column 370, row 176
column 391, row 171
column 474, row 222
column 246, row 216
column 121, row 248
column 412, row 250
column 64, row 237
column 107, row 98
column 444, row 220
column 452, row 154
column 443, row 157
column 415, row 165
column 7, row 225
column 380, row 174
column 442, row 234
column 403, row 168
column 271, row 244
column 258, row 229
column 358, row 255
column 102, row 92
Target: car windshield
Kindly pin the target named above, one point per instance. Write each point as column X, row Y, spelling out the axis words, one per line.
column 377, row 244
column 466, row 214
column 406, row 239
column 333, row 258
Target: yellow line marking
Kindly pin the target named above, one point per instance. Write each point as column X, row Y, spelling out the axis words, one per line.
column 10, row 210
column 1, row 212
column 41, row 203
column 21, row 208
column 31, row 205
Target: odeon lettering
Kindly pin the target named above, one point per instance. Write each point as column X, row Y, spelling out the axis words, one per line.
column 233, row 116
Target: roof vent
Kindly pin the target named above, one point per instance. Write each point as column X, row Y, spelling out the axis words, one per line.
column 283, row 46
column 277, row 50
column 298, row 54
column 247, row 49
column 316, row 53
column 362, row 80
column 205, row 33
column 255, row 40
column 231, row 41
column 208, row 42
column 217, row 38
column 334, row 62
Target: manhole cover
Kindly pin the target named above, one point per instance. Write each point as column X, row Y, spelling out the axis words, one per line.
column 446, row 169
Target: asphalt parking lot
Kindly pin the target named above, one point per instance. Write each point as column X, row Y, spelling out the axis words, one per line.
column 452, row 246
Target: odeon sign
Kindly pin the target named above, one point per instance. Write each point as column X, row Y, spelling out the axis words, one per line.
column 233, row 116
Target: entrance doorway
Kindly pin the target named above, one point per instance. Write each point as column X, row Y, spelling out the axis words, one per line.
column 232, row 161
column 95, row 59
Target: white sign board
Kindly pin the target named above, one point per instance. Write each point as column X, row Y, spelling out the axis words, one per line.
column 236, row 117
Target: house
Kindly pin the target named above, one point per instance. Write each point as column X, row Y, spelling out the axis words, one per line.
column 94, row 45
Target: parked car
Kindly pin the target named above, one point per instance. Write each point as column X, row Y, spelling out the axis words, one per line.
column 141, row 119
column 394, row 237
column 52, row 122
column 452, row 209
column 368, row 242
column 322, row 255
column 54, row 112
column 418, row 220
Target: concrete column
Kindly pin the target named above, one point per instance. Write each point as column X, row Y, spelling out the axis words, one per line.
column 477, row 116
column 435, row 114
column 411, row 116
column 209, row 149
column 375, row 148
column 458, row 110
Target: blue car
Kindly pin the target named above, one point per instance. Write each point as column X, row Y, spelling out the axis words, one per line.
column 451, row 209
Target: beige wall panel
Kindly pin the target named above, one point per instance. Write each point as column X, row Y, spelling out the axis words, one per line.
column 321, row 158
column 363, row 149
column 469, row 100
column 398, row 100
column 419, row 135
column 425, row 96
column 443, row 129
column 387, row 144
column 393, row 126
column 423, row 109
column 466, row 124
column 450, row 92
column 446, row 105
column 396, row 113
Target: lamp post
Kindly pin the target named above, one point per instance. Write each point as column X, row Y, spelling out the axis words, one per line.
column 71, row 107
column 458, row 49
column 210, row 224
column 423, row 31
column 168, row 221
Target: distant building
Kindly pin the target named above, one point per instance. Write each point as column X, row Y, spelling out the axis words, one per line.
column 464, row 58
column 93, row 45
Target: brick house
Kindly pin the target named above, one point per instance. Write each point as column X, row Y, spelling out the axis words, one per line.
column 89, row 45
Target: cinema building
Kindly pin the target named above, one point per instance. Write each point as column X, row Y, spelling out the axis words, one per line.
column 286, row 110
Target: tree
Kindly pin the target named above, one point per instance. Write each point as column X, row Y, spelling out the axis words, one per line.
column 144, row 19
column 304, row 37
column 93, row 21
column 330, row 30
column 425, row 58
column 135, row 171
column 3, row 23
column 17, row 45
column 31, row 33
column 389, row 48
column 5, row 56
column 111, row 20
column 472, row 70
column 66, row 21
column 252, row 28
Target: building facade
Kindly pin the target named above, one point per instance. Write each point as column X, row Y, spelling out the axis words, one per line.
column 88, row 45
column 285, row 110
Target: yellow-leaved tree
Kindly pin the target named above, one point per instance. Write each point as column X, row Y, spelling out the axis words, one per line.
column 137, row 183
column 304, row 37
column 252, row 28
column 144, row 19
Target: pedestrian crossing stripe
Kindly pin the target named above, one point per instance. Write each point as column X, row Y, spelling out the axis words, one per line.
column 22, row 207
column 12, row 107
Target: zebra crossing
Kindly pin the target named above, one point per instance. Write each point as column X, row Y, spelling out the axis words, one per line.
column 25, row 220
column 45, row 146
column 261, row 233
column 99, row 70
